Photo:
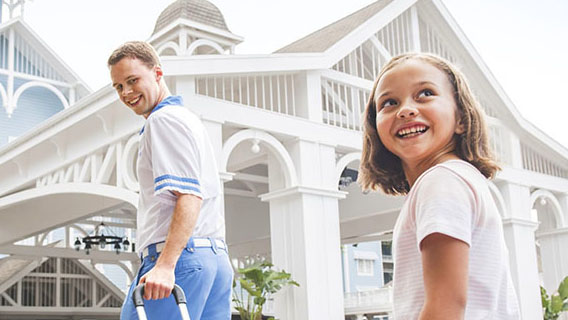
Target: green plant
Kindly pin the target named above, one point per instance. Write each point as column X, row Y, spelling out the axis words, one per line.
column 556, row 303
column 258, row 281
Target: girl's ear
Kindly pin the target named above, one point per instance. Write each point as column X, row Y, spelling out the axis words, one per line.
column 460, row 128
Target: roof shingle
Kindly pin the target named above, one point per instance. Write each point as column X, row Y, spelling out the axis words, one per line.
column 324, row 38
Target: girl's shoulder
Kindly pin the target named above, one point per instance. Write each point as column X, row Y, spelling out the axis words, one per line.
column 454, row 167
column 452, row 176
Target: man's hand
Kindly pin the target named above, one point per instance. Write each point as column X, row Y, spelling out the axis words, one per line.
column 159, row 282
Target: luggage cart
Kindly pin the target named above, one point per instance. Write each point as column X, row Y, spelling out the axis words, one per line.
column 179, row 296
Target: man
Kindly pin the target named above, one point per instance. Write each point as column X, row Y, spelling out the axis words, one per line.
column 180, row 226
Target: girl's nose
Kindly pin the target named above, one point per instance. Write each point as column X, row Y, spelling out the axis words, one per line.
column 407, row 111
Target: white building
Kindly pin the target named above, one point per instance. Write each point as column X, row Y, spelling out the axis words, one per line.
column 284, row 126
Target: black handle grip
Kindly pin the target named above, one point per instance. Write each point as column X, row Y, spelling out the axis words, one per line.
column 138, row 295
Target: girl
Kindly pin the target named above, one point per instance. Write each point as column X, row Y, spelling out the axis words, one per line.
column 425, row 137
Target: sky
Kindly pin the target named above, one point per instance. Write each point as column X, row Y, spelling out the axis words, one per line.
column 523, row 42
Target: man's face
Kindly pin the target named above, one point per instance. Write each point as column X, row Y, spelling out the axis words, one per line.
column 137, row 85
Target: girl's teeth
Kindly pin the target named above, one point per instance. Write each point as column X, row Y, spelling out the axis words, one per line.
column 411, row 131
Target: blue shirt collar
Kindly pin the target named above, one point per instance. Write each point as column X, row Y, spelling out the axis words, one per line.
column 168, row 101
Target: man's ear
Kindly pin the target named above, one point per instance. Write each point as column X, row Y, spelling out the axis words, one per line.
column 159, row 73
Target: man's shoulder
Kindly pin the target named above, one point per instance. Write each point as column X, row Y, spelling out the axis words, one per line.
column 174, row 114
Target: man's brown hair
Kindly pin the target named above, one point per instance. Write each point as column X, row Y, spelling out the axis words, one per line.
column 135, row 50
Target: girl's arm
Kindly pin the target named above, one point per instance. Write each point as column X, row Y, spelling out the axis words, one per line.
column 445, row 270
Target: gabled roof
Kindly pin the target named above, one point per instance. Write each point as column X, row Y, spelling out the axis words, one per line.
column 48, row 54
column 324, row 38
column 339, row 38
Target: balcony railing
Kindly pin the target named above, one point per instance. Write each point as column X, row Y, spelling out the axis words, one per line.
column 378, row 300
column 269, row 92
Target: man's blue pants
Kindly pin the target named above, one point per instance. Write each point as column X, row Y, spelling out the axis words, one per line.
column 204, row 274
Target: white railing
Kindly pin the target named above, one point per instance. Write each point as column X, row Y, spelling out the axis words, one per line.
column 378, row 300
column 498, row 138
column 343, row 104
column 4, row 53
column 58, row 282
column 431, row 42
column 27, row 60
column 395, row 36
column 363, row 62
column 114, row 164
column 274, row 93
column 534, row 161
column 267, row 309
column 247, row 253
column 367, row 59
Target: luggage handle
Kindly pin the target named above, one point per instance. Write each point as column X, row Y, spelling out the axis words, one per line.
column 138, row 295
column 179, row 296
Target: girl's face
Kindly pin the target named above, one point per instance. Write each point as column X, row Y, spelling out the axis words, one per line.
column 416, row 113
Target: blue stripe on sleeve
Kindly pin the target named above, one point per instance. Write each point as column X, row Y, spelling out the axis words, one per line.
column 171, row 177
column 179, row 186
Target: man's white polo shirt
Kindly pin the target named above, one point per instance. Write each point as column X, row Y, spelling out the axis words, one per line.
column 176, row 155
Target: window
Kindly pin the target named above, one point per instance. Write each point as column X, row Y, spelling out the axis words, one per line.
column 387, row 277
column 386, row 248
column 365, row 267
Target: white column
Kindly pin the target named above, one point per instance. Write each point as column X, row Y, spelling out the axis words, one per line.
column 553, row 256
column 304, row 224
column 415, row 29
column 10, row 84
column 519, row 231
column 307, row 91
column 72, row 94
column 346, row 278
column 215, row 132
column 513, row 149
column 563, row 200
column 185, row 87
column 182, row 42
column 553, row 244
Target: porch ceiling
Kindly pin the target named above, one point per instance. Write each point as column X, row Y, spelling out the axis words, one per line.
column 41, row 209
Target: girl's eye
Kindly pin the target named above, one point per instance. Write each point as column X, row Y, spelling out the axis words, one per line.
column 132, row 81
column 425, row 93
column 389, row 103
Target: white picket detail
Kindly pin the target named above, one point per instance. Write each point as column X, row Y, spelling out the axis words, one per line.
column 536, row 162
column 269, row 92
column 343, row 104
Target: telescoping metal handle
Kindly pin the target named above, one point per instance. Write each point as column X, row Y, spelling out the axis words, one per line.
column 179, row 296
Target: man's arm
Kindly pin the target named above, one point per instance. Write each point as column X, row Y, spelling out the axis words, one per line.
column 445, row 268
column 160, row 279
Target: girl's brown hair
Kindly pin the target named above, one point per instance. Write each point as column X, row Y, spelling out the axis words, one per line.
column 380, row 168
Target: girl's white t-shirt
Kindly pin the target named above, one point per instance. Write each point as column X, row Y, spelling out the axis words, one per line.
column 453, row 198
